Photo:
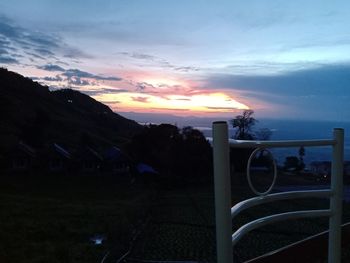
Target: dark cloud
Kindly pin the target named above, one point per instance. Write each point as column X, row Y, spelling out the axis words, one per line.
column 8, row 30
column 161, row 62
column 78, row 82
column 167, row 65
column 222, row 108
column 35, row 55
column 113, row 90
column 3, row 51
column 8, row 60
column 44, row 52
column 326, row 80
column 157, row 88
column 77, row 78
column 16, row 35
column 4, row 42
column 51, row 67
column 183, row 99
column 43, row 40
column 70, row 73
column 56, row 79
column 75, row 53
column 318, row 93
column 170, row 109
column 142, row 86
column 137, row 55
column 33, row 43
column 186, row 69
column 140, row 99
column 99, row 91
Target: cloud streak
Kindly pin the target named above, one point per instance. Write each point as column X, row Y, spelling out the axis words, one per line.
column 140, row 99
column 36, row 45
column 70, row 73
column 157, row 62
column 75, row 77
column 8, row 60
column 50, row 67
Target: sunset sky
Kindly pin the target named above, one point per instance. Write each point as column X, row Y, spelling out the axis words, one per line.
column 284, row 59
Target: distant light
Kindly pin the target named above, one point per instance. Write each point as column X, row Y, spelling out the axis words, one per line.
column 70, row 101
column 97, row 240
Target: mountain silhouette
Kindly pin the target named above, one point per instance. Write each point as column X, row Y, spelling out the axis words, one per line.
column 30, row 112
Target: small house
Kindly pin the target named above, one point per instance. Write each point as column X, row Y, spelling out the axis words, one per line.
column 145, row 169
column 22, row 158
column 115, row 162
column 58, row 159
column 147, row 173
column 90, row 161
column 321, row 168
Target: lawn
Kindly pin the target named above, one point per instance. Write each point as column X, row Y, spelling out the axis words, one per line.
column 183, row 226
column 53, row 218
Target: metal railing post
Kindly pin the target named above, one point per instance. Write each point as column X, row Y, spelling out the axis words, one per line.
column 222, row 187
column 334, row 241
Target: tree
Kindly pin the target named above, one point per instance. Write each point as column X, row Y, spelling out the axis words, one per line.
column 263, row 134
column 244, row 123
column 301, row 157
column 291, row 163
column 179, row 156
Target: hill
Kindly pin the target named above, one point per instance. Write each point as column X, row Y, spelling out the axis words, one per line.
column 36, row 115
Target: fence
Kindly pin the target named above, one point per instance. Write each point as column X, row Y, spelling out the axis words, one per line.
column 224, row 213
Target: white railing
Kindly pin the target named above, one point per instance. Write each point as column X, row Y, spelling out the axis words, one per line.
column 224, row 213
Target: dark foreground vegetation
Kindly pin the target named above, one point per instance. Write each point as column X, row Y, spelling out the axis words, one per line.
column 53, row 219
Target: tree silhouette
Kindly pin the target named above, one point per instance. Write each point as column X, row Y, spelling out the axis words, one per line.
column 178, row 155
column 263, row 134
column 244, row 123
column 301, row 157
column 291, row 162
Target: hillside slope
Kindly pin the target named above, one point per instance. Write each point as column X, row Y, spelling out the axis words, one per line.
column 33, row 113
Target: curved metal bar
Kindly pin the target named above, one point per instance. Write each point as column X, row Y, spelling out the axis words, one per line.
column 271, row 144
column 236, row 209
column 275, row 218
column 274, row 172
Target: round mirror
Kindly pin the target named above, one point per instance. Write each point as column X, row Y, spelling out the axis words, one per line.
column 261, row 171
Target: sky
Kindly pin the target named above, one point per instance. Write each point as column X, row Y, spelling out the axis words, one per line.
column 283, row 59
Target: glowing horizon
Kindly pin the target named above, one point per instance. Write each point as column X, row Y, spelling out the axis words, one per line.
column 213, row 102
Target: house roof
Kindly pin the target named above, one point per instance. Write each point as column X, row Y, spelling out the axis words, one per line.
column 114, row 153
column 62, row 151
column 145, row 168
column 96, row 154
column 27, row 149
column 88, row 153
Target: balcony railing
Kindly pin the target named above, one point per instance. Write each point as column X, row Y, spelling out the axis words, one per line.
column 224, row 213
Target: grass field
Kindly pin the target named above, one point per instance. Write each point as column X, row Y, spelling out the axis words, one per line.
column 52, row 218
column 183, row 226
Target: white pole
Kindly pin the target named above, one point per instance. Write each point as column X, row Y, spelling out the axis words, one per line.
column 222, row 187
column 334, row 241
